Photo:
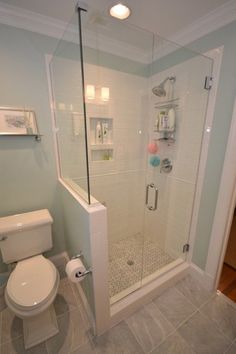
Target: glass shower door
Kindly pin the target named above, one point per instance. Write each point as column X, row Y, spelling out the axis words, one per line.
column 178, row 110
column 118, row 64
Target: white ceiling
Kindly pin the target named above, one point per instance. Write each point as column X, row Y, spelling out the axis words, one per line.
column 165, row 17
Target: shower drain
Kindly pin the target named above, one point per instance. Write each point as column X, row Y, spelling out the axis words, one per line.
column 130, row 262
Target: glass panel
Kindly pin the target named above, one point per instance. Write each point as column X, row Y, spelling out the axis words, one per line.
column 177, row 118
column 65, row 70
column 117, row 106
column 66, row 78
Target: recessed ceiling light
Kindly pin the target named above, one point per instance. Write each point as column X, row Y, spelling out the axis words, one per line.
column 120, row 11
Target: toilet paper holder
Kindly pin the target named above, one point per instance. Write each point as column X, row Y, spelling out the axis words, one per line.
column 87, row 271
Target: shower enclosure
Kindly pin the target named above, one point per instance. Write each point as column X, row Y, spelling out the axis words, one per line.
column 130, row 138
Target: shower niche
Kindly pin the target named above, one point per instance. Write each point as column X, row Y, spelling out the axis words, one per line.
column 101, row 138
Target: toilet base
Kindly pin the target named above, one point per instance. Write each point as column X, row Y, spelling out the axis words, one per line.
column 39, row 328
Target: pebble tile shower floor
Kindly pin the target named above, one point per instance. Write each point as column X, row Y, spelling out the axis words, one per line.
column 185, row 319
column 132, row 259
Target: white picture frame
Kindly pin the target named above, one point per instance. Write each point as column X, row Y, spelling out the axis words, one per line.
column 17, row 122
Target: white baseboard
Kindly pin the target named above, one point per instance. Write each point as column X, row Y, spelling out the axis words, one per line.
column 205, row 279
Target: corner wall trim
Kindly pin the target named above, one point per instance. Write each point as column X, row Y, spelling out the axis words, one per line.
column 224, row 208
column 208, row 23
column 21, row 18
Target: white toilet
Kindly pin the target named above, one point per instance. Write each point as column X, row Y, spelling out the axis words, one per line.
column 33, row 284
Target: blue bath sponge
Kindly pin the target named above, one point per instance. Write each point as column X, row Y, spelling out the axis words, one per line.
column 154, row 161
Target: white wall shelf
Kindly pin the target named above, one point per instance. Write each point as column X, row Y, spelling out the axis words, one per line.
column 101, row 146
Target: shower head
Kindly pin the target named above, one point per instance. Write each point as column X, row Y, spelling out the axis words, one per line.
column 160, row 90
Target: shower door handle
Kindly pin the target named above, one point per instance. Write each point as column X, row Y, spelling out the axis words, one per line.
column 152, row 186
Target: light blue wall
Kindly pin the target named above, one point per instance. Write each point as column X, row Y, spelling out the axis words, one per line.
column 28, row 178
column 223, row 114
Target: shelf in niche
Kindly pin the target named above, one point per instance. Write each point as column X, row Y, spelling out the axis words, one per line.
column 101, row 146
column 37, row 137
column 105, row 155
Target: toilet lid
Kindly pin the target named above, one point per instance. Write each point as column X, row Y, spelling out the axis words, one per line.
column 32, row 281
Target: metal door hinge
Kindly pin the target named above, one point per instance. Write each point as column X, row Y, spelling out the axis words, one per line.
column 186, row 247
column 208, row 82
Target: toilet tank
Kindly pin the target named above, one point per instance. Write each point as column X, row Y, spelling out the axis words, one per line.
column 25, row 235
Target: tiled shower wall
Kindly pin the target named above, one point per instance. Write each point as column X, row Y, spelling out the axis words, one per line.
column 120, row 183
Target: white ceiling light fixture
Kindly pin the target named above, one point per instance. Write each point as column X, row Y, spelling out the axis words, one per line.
column 120, row 11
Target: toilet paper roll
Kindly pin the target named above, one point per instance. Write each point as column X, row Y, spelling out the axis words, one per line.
column 74, row 268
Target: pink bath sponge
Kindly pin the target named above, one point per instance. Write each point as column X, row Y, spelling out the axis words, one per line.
column 152, row 148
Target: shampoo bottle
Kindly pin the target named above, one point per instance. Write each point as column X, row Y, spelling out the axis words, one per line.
column 163, row 121
column 105, row 133
column 98, row 133
column 171, row 115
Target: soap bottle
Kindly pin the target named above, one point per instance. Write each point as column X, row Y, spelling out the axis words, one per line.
column 171, row 115
column 105, row 133
column 163, row 121
column 98, row 133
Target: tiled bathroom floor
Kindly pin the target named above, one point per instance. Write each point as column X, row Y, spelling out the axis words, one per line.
column 132, row 259
column 185, row 319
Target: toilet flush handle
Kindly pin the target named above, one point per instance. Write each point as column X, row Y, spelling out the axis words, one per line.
column 3, row 238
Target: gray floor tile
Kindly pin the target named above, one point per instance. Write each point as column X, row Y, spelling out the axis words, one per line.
column 174, row 306
column 65, row 299
column 12, row 326
column 232, row 350
column 203, row 336
column 193, row 290
column 174, row 344
column 73, row 333
column 118, row 340
column 17, row 347
column 223, row 314
column 77, row 294
column 149, row 327
column 85, row 349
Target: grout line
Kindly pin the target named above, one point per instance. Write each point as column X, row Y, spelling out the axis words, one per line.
column 176, row 331
column 231, row 346
column 217, row 326
column 226, row 299
column 212, row 294
column 188, row 300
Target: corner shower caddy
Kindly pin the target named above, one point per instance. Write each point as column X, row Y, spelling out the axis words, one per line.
column 166, row 135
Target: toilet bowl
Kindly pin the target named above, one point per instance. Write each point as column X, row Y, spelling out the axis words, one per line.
column 32, row 285
column 29, row 294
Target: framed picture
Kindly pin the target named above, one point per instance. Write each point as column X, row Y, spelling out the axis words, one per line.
column 17, row 122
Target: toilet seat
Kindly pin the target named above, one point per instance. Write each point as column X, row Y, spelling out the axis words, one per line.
column 32, row 285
